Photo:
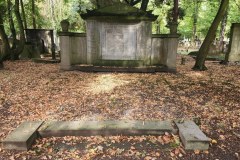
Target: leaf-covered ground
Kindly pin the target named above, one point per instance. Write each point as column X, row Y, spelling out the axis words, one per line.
column 31, row 91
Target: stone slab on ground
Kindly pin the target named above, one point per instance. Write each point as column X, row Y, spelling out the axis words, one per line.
column 23, row 137
column 104, row 128
column 191, row 136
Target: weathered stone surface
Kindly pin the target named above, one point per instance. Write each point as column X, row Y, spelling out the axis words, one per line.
column 106, row 128
column 234, row 54
column 191, row 136
column 119, row 42
column 23, row 137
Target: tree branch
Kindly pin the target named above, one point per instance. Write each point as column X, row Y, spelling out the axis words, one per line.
column 127, row 1
column 134, row 2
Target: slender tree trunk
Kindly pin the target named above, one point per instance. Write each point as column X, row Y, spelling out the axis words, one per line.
column 203, row 51
column 12, row 27
column 175, row 11
column 222, row 31
column 33, row 15
column 144, row 5
column 53, row 14
column 22, row 41
column 6, row 46
column 195, row 19
column 134, row 2
column 23, row 15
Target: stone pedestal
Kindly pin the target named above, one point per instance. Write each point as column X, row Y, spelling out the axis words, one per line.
column 118, row 43
column 73, row 49
column 164, row 50
column 234, row 46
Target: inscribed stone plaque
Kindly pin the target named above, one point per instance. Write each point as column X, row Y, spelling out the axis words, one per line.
column 119, row 43
column 114, row 42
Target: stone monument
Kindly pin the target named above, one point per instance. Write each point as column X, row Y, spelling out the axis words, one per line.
column 118, row 35
column 233, row 54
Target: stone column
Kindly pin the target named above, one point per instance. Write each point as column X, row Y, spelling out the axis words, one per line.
column 91, row 41
column 65, row 51
column 172, row 53
column 234, row 46
column 170, row 45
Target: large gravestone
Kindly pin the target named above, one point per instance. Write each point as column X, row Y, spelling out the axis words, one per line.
column 234, row 49
column 119, row 34
column 41, row 40
column 118, row 39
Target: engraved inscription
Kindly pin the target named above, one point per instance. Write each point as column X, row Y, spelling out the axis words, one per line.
column 119, row 43
column 114, row 42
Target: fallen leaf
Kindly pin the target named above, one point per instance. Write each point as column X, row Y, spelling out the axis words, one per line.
column 213, row 141
column 157, row 154
column 132, row 148
column 176, row 151
column 180, row 155
column 197, row 151
column 222, row 137
column 172, row 154
column 148, row 158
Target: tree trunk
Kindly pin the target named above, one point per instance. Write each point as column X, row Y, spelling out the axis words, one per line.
column 195, row 19
column 175, row 11
column 12, row 28
column 33, row 15
column 21, row 44
column 134, row 2
column 222, row 31
column 6, row 46
column 144, row 5
column 203, row 51
column 23, row 15
column 53, row 14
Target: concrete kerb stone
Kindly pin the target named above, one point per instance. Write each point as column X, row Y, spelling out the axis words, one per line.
column 191, row 135
column 24, row 136
column 105, row 128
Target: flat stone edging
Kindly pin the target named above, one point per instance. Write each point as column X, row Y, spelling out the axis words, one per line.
column 24, row 136
column 191, row 136
column 105, row 128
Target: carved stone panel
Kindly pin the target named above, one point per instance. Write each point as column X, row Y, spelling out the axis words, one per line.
column 119, row 43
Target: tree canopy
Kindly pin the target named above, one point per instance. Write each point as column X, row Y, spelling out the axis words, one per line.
column 194, row 16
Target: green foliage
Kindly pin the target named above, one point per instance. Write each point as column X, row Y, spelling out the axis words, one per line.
column 3, row 7
column 50, row 15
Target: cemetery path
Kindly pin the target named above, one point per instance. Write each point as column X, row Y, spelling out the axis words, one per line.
column 31, row 91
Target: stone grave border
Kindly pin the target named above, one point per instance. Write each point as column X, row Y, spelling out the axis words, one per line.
column 25, row 135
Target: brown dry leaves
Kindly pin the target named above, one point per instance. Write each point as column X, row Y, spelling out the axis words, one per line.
column 30, row 91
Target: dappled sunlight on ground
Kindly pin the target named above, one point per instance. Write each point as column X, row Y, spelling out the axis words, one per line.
column 106, row 83
column 30, row 91
column 195, row 74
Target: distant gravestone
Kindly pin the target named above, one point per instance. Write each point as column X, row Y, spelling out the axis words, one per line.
column 234, row 48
